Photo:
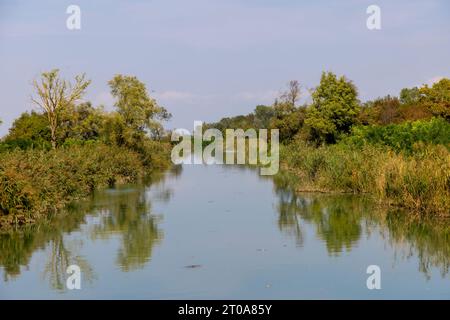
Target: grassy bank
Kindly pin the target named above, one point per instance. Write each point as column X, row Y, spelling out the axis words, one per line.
column 37, row 183
column 418, row 181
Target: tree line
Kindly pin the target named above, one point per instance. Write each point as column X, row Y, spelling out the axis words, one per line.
column 64, row 119
column 335, row 110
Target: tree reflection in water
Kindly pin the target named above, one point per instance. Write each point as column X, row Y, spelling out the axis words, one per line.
column 123, row 211
column 341, row 220
column 126, row 213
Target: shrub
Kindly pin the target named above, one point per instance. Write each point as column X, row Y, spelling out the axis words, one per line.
column 402, row 137
column 36, row 182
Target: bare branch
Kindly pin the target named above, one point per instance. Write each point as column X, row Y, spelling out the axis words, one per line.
column 55, row 94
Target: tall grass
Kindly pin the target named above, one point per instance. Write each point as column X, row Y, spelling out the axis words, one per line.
column 419, row 181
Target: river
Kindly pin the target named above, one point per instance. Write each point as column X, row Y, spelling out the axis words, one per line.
column 225, row 232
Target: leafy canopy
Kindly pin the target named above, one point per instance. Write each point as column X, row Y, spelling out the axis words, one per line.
column 138, row 109
column 437, row 98
column 334, row 109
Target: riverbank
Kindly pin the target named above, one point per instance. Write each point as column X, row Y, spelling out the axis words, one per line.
column 36, row 183
column 417, row 181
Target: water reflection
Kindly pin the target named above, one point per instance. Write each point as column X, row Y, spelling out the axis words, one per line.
column 16, row 248
column 430, row 241
column 127, row 215
column 125, row 211
column 62, row 255
column 341, row 220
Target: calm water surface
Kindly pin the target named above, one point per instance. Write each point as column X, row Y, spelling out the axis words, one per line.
column 213, row 232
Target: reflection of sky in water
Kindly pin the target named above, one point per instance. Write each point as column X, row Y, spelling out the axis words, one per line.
column 250, row 239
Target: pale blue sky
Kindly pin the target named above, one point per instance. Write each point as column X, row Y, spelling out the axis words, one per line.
column 207, row 59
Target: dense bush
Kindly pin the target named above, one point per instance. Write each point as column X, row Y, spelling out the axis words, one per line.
column 37, row 182
column 402, row 137
column 290, row 124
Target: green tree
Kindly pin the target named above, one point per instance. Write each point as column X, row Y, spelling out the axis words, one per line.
column 113, row 129
column 409, row 96
column 289, row 124
column 29, row 130
column 81, row 122
column 54, row 94
column 283, row 108
column 437, row 98
column 140, row 112
column 263, row 115
column 334, row 109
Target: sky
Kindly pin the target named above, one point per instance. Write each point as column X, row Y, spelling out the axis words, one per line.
column 206, row 59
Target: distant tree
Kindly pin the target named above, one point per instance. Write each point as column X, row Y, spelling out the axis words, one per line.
column 390, row 110
column 290, row 124
column 413, row 112
column 140, row 112
column 409, row 96
column 285, row 104
column 387, row 110
column 29, row 130
column 283, row 109
column 292, row 95
column 263, row 115
column 437, row 98
column 334, row 109
column 54, row 94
